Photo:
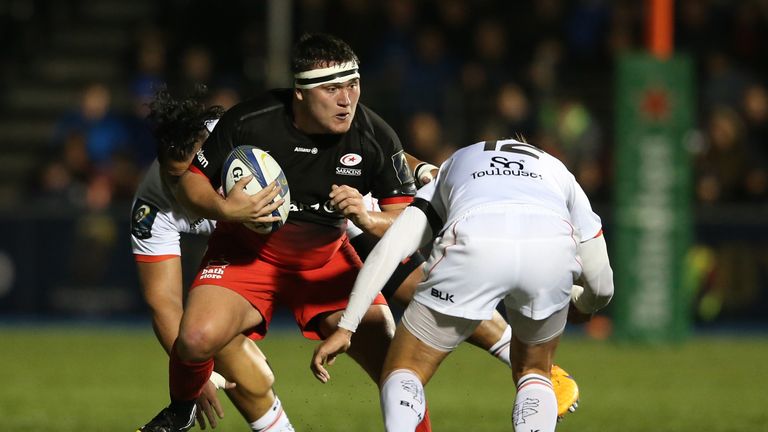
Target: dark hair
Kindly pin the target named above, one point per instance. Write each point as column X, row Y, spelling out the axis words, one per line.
column 178, row 124
column 315, row 50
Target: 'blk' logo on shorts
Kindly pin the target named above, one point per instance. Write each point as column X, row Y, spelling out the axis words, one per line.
column 441, row 295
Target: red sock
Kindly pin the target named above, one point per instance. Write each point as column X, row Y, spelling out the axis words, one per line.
column 187, row 378
column 426, row 424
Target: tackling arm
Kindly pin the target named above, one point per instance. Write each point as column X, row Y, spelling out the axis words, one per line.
column 408, row 232
column 381, row 221
column 597, row 275
column 196, row 193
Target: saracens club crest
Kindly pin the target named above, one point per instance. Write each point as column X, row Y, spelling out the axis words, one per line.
column 350, row 160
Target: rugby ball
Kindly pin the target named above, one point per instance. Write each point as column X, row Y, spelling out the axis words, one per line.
column 248, row 160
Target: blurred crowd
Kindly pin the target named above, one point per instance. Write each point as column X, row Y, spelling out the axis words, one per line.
column 444, row 73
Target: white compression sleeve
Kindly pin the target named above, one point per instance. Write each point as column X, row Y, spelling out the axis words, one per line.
column 598, row 276
column 409, row 231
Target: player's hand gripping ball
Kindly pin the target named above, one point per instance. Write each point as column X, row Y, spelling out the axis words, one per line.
column 248, row 160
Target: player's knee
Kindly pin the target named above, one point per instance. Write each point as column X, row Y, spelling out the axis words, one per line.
column 196, row 343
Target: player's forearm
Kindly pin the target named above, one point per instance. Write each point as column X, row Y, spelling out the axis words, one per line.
column 404, row 237
column 597, row 275
column 196, row 193
column 379, row 222
column 423, row 172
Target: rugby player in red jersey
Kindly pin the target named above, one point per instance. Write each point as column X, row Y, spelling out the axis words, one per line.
column 332, row 150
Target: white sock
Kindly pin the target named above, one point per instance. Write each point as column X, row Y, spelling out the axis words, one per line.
column 274, row 420
column 535, row 405
column 402, row 401
column 500, row 349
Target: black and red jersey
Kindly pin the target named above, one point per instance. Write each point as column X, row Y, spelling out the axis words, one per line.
column 369, row 157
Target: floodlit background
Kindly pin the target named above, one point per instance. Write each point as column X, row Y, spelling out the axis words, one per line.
column 74, row 78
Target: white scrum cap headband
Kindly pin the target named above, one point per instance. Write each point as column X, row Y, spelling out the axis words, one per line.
column 337, row 73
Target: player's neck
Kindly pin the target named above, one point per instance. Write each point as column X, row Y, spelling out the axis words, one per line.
column 303, row 122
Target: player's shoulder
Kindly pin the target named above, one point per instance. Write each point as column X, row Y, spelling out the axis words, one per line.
column 557, row 165
column 151, row 186
column 262, row 107
column 153, row 192
column 372, row 123
column 367, row 114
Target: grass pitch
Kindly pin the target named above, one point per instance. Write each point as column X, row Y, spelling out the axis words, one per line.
column 114, row 379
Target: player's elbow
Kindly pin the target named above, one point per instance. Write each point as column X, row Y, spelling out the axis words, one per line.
column 604, row 291
column 597, row 275
column 597, row 291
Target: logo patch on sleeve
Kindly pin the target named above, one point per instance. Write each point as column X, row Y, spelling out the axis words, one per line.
column 401, row 168
column 142, row 218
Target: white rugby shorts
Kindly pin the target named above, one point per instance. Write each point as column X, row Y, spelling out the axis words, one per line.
column 523, row 254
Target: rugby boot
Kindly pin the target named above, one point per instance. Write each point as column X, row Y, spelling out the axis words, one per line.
column 177, row 417
column 566, row 391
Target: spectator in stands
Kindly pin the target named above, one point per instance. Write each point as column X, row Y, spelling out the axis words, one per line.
column 225, row 95
column 103, row 130
column 514, row 114
column 64, row 178
column 426, row 138
column 720, row 168
column 196, row 66
column 430, row 75
column 755, row 108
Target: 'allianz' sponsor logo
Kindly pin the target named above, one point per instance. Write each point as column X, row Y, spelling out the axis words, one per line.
column 312, row 150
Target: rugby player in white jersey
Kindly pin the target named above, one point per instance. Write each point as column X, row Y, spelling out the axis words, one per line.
column 180, row 127
column 493, row 335
column 509, row 222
